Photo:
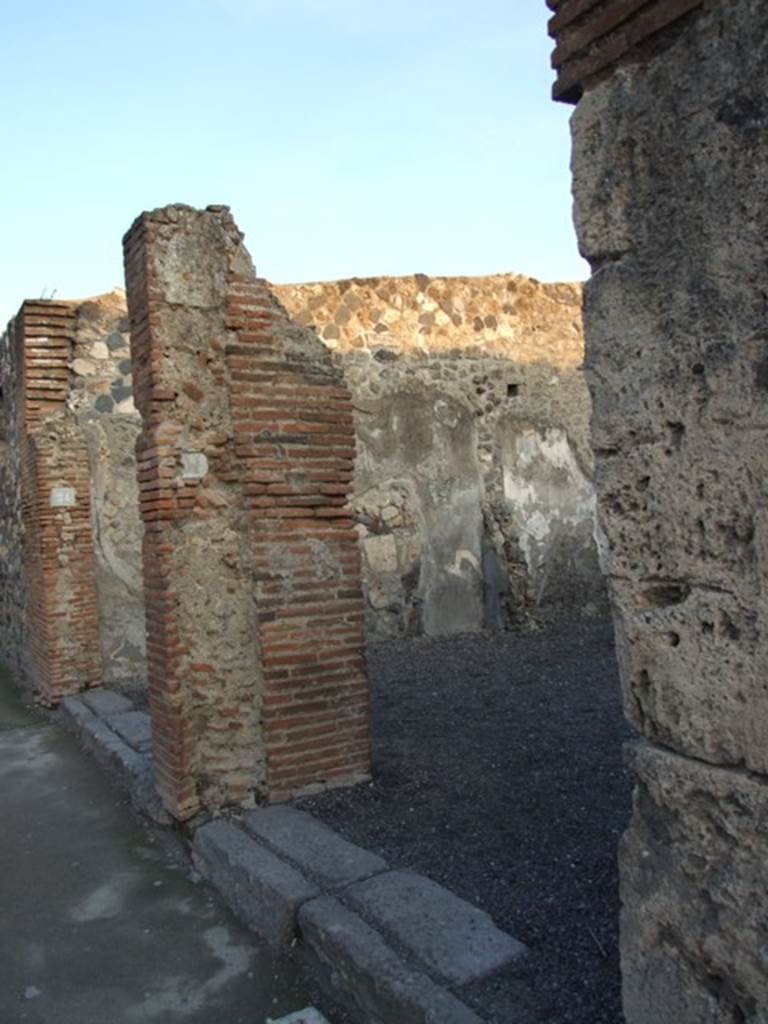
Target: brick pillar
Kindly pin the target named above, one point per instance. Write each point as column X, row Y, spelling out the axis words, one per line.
column 252, row 578
column 59, row 561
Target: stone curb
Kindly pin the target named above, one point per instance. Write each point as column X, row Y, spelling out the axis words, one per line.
column 132, row 768
column 392, row 947
column 350, row 961
column 388, row 946
column 263, row 890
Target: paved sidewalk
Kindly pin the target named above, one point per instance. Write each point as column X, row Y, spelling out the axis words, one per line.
column 96, row 924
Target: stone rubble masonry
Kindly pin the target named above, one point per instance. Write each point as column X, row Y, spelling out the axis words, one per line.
column 257, row 676
column 668, row 159
column 473, row 488
column 61, row 613
column 593, row 36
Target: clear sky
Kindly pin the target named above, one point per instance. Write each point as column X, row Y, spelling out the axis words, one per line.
column 350, row 138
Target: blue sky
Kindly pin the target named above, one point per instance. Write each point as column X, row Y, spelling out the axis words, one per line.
column 349, row 138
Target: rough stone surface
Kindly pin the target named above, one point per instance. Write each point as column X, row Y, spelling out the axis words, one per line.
column 356, row 967
column 317, row 850
column 105, row 702
column 668, row 152
column 446, row 935
column 473, row 484
column 261, row 888
column 134, row 727
column 694, row 867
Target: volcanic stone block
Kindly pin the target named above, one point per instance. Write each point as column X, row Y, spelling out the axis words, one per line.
column 259, row 887
column 351, row 961
column 134, row 727
column 444, row 933
column 105, row 702
column 694, row 887
column 317, row 850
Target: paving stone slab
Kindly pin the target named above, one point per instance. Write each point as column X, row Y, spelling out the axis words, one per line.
column 105, row 702
column 134, row 727
column 357, row 969
column 261, row 889
column 316, row 849
column 447, row 935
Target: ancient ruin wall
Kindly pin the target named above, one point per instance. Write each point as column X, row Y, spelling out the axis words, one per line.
column 473, row 485
column 101, row 398
column 14, row 632
column 251, row 568
column 70, row 600
column 670, row 153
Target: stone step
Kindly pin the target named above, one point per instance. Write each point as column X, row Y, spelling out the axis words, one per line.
column 352, row 963
column 261, row 888
column 446, row 935
column 319, row 852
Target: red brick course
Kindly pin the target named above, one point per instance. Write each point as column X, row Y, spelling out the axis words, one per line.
column 64, row 656
column 593, row 36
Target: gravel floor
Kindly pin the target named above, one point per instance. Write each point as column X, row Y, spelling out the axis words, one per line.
column 498, row 772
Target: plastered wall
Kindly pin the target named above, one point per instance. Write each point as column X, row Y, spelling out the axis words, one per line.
column 473, row 485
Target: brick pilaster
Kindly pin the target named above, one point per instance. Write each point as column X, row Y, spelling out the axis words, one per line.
column 59, row 559
column 252, row 575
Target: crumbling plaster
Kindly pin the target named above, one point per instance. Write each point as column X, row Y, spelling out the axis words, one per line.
column 473, row 484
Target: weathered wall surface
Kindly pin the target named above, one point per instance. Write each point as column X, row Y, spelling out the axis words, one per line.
column 669, row 159
column 473, row 485
column 71, row 606
column 101, row 398
column 257, row 674
column 14, row 633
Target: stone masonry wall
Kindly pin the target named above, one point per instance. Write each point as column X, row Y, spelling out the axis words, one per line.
column 101, row 398
column 473, row 485
column 254, row 610
column 70, row 600
column 14, row 632
column 669, row 159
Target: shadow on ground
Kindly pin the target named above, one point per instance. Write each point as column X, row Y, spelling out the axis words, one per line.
column 499, row 773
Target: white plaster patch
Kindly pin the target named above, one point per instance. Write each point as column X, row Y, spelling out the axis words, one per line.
column 461, row 561
column 194, row 465
column 546, row 491
column 63, row 497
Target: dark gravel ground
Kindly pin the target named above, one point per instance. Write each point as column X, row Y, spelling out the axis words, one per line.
column 498, row 772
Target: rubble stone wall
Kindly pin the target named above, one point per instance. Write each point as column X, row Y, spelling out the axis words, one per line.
column 670, row 153
column 473, row 487
column 101, row 399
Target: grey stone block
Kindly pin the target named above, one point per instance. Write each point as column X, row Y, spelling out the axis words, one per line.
column 261, row 889
column 445, row 934
column 317, row 850
column 355, row 967
column 134, row 727
column 132, row 769
column 105, row 702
